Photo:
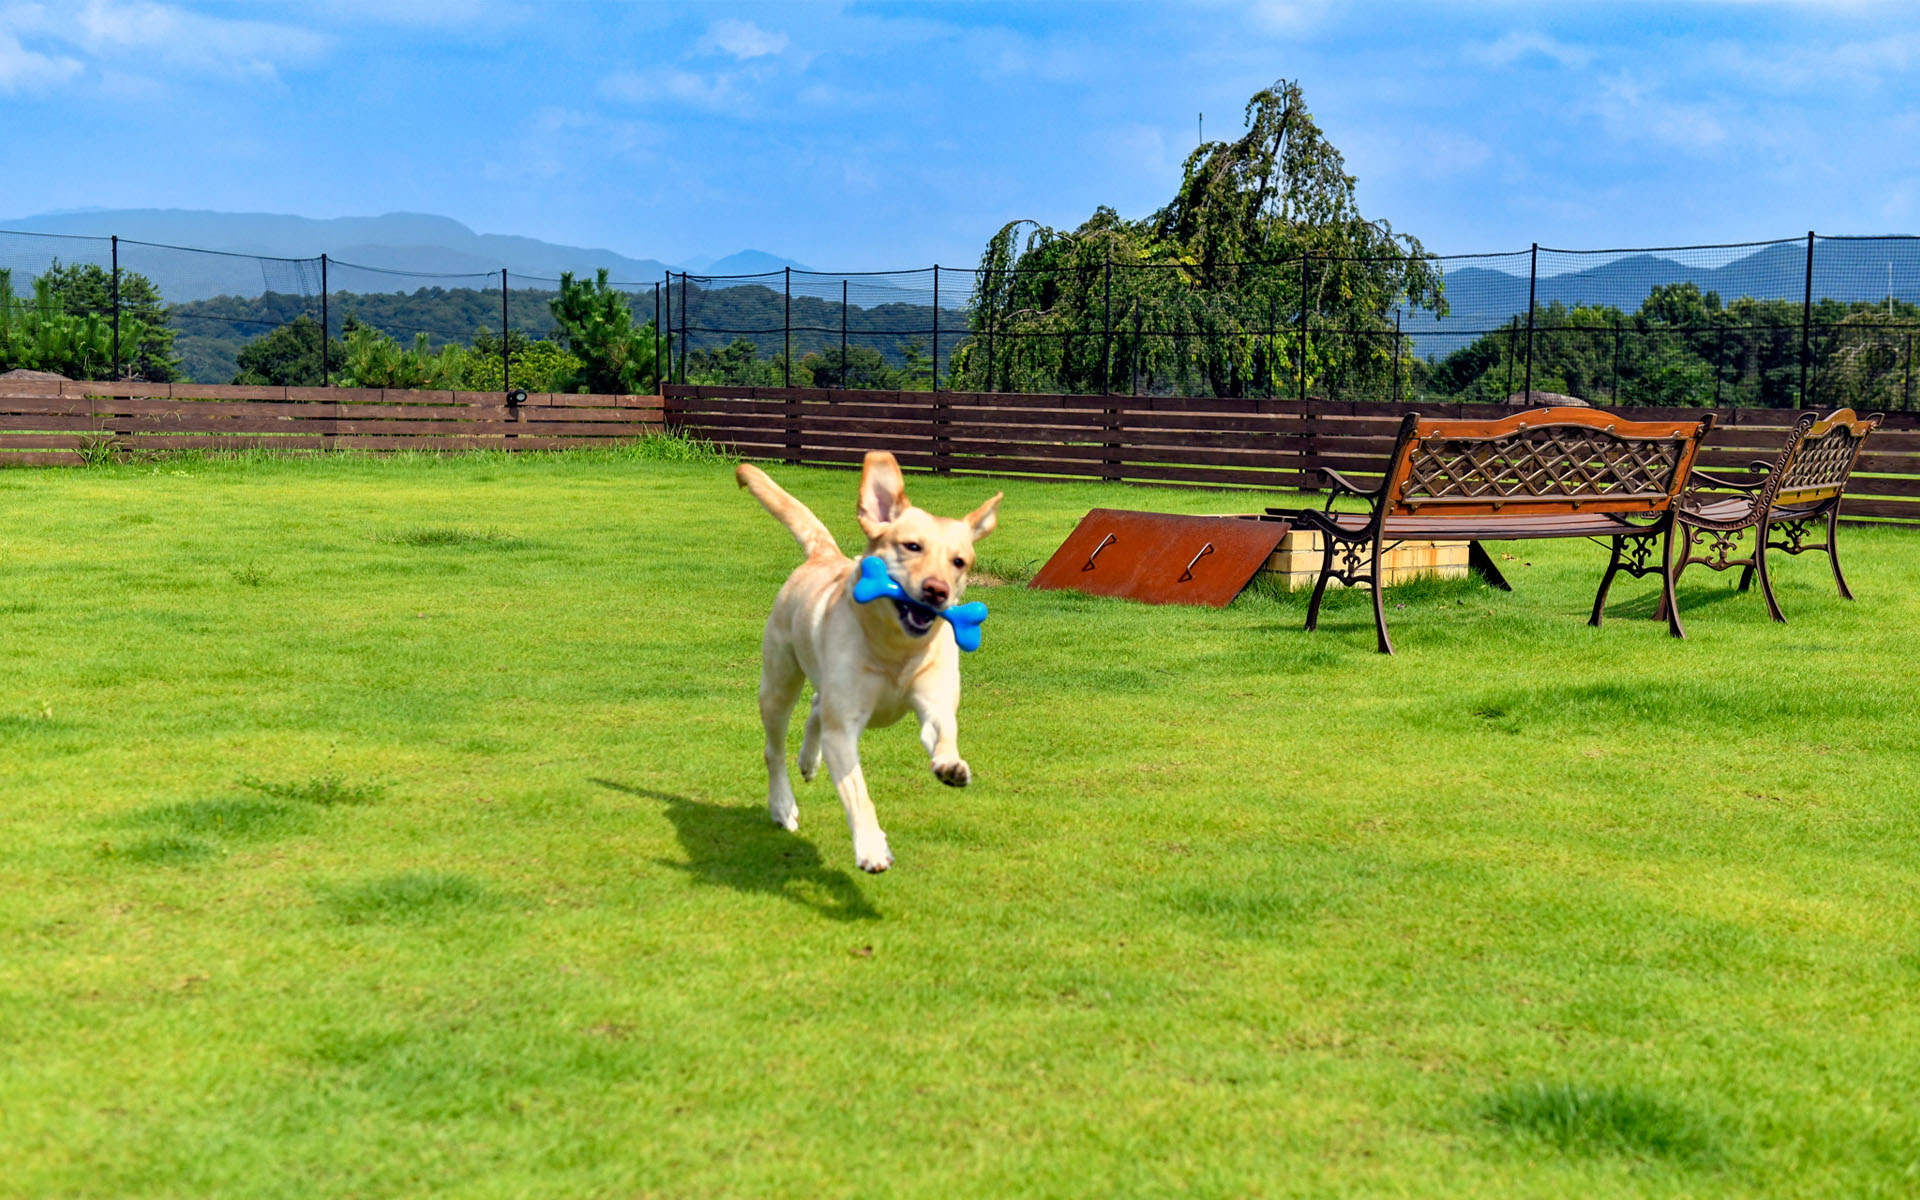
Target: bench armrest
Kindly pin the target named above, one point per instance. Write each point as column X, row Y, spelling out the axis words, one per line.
column 1739, row 485
column 1340, row 483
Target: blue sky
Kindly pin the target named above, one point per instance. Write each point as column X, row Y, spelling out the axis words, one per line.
column 869, row 136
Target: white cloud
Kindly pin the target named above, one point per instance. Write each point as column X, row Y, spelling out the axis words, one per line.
column 742, row 40
column 1515, row 46
column 134, row 37
column 24, row 70
column 720, row 92
column 1292, row 17
column 1634, row 111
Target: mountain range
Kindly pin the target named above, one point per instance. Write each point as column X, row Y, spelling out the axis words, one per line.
column 256, row 252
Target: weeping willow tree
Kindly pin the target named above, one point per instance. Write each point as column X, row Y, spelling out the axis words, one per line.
column 1207, row 294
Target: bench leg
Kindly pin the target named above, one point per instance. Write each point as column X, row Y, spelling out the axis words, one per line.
column 1606, row 581
column 1380, row 602
column 1766, row 580
column 1668, row 577
column 1833, row 550
column 1320, row 584
column 1660, row 609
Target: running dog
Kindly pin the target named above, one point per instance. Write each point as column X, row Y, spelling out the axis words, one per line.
column 871, row 663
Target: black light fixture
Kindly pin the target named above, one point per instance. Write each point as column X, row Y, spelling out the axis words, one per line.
column 516, row 397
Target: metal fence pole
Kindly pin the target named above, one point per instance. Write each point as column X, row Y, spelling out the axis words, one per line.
column 1302, row 374
column 324, row 381
column 1533, row 277
column 1513, row 336
column 506, row 349
column 116, row 306
column 1616, row 358
column 1806, row 325
column 1106, row 342
column 844, row 373
column 987, row 293
column 1719, row 365
column 786, row 354
column 936, row 327
column 1906, row 389
column 1396, row 356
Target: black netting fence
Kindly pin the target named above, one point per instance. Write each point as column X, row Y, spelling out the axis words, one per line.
column 1809, row 320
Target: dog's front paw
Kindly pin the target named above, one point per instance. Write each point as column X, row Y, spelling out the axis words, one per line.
column 953, row 772
column 785, row 813
column 872, row 854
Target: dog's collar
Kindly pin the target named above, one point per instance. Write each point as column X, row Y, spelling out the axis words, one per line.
column 874, row 583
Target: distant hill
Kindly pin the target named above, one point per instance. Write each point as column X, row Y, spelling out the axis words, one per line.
column 749, row 262
column 396, row 242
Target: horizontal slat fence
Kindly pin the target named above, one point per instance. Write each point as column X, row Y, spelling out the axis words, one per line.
column 51, row 422
column 1205, row 442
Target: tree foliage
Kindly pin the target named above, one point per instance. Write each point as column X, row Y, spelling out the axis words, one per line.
column 286, row 357
column 596, row 323
column 1208, row 293
column 66, row 326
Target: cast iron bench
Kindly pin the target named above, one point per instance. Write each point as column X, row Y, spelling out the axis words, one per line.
column 1804, row 484
column 1544, row 473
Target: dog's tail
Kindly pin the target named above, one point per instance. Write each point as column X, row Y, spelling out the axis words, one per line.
column 814, row 537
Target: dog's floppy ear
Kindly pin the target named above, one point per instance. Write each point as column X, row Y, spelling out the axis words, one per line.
column 883, row 493
column 984, row 518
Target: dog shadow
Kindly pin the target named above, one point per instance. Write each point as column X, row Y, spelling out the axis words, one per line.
column 741, row 849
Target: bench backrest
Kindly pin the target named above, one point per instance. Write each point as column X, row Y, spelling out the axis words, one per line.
column 1819, row 458
column 1543, row 461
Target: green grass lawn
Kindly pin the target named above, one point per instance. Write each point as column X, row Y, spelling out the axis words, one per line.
column 397, row 828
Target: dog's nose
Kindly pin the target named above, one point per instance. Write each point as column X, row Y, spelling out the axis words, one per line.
column 935, row 592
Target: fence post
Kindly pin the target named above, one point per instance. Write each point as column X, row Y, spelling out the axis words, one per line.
column 116, row 307
column 1616, row 358
column 786, row 332
column 1396, row 356
column 1806, row 324
column 987, row 293
column 1513, row 336
column 845, row 374
column 1303, row 329
column 1106, row 338
column 1533, row 276
column 506, row 348
column 324, row 381
column 1719, row 365
column 936, row 327
column 1906, row 389
column 1133, row 359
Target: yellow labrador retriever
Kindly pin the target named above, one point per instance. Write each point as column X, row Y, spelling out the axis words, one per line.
column 869, row 663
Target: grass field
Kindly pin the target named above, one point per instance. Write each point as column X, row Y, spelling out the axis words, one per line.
column 397, row 828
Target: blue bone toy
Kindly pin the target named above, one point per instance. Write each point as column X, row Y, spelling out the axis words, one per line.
column 874, row 582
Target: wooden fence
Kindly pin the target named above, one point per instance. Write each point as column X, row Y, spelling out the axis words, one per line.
column 1223, row 443
column 56, row 422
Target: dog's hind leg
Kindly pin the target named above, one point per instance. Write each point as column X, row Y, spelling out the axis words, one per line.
column 810, row 747
column 780, row 679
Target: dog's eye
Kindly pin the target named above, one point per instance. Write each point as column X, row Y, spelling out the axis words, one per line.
column 961, row 563
column 910, row 547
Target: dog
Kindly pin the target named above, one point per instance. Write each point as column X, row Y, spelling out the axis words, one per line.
column 869, row 664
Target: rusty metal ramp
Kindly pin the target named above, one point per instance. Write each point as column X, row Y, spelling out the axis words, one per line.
column 1158, row 558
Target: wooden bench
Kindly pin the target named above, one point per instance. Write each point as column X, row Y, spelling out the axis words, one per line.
column 1544, row 473
column 1802, row 485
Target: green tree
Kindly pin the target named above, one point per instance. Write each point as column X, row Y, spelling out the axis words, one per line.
column 538, row 366
column 596, row 323
column 374, row 360
column 146, row 342
column 287, row 357
column 1205, row 294
column 40, row 335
